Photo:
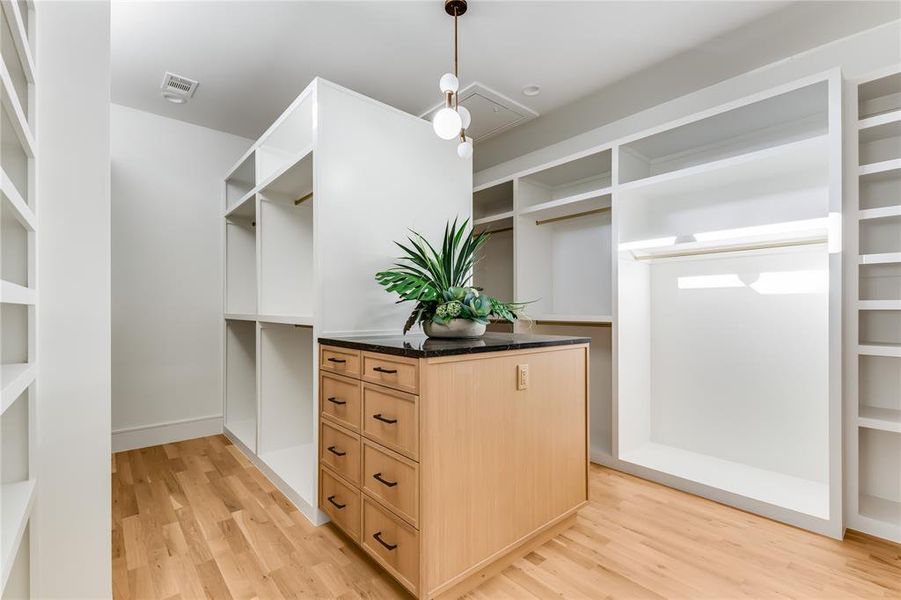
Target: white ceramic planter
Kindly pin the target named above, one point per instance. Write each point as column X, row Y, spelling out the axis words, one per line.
column 457, row 328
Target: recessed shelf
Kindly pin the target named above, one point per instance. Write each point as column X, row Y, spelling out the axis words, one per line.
column 886, row 212
column 882, row 126
column 778, row 489
column 568, row 179
column 874, row 417
column 879, row 349
column 493, row 218
column 14, row 378
column 492, row 201
column 880, row 259
column 16, row 501
column 244, row 207
column 879, row 304
column 11, row 293
column 589, row 202
column 884, row 166
column 879, row 96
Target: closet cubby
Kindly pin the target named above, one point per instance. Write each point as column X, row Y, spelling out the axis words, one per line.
column 492, row 203
column 289, row 138
column 14, row 246
column 241, row 381
column 17, row 487
column 241, row 262
column 493, row 269
column 240, row 182
column 568, row 181
column 286, row 243
column 759, row 126
column 880, row 195
column 288, row 410
column 14, row 156
column 15, row 70
column 880, row 392
column 879, row 96
column 880, row 476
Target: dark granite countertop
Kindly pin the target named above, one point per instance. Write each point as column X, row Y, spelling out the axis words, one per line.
column 419, row 346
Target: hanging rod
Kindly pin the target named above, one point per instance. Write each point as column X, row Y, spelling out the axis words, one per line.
column 735, row 248
column 573, row 216
column 501, row 230
column 304, row 199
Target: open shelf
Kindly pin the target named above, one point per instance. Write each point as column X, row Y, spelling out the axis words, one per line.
column 12, row 293
column 880, row 193
column 879, row 168
column 879, row 96
column 879, row 327
column 892, row 350
column 575, row 179
column 16, row 115
column 241, row 265
column 286, row 243
column 880, row 259
column 806, row 496
column 886, row 212
column 490, row 202
column 14, row 248
column 17, row 16
column 14, row 379
column 287, row 405
column 14, row 156
column 880, row 138
column 240, row 181
column 241, row 381
column 240, row 317
column 879, row 305
column 15, row 204
column 880, row 236
column 885, row 419
column 587, row 203
column 493, row 270
column 565, row 265
column 290, row 135
column 880, row 282
column 18, row 70
column 14, row 334
column 880, row 476
column 16, row 502
column 492, row 222
column 302, row 320
column 778, row 120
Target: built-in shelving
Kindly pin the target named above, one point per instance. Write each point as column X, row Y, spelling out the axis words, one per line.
column 492, row 203
column 240, row 182
column 15, row 379
column 16, row 502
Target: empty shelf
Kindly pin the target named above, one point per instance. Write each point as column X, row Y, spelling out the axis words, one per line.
column 16, row 500
column 880, row 167
column 886, row 212
column 244, row 207
column 893, row 350
column 574, row 319
column 880, row 127
column 12, row 293
column 879, row 305
column 304, row 320
column 880, row 259
column 15, row 378
column 21, row 210
column 885, row 419
column 588, row 202
column 295, row 178
column 240, row 317
column 883, row 510
column 778, row 489
column 493, row 218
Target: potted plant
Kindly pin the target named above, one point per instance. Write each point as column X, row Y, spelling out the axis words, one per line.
column 438, row 282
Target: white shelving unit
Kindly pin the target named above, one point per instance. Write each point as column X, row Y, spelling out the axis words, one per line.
column 724, row 226
column 873, row 430
column 18, row 296
column 337, row 176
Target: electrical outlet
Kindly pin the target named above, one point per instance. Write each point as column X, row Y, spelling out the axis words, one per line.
column 522, row 377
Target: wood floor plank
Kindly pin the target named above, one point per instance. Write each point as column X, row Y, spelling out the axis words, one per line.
column 195, row 520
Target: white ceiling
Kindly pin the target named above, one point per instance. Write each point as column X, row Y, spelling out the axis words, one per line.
column 253, row 57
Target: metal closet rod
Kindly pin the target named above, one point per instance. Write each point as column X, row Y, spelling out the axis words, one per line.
column 304, row 199
column 573, row 216
column 501, row 230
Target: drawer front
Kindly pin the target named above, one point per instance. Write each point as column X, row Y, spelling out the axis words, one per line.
column 392, row 479
column 393, row 371
column 340, row 450
column 340, row 360
column 340, row 502
column 391, row 418
column 339, row 399
column 393, row 544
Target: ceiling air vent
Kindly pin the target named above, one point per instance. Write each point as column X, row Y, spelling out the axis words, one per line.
column 491, row 111
column 177, row 89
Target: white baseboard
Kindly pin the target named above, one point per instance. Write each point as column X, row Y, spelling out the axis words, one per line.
column 132, row 438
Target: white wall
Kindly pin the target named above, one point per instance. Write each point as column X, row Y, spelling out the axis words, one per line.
column 166, row 276
column 71, row 544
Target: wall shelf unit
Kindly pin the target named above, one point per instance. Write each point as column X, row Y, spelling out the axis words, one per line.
column 336, row 176
column 873, row 430
column 18, row 296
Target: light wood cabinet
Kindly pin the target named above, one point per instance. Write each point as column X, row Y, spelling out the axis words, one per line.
column 461, row 468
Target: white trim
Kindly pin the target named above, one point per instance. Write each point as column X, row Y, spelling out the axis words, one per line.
column 144, row 436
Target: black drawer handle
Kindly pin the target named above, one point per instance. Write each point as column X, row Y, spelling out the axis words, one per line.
column 334, row 400
column 378, row 477
column 335, row 451
column 378, row 537
column 379, row 417
column 383, row 370
column 336, row 360
column 338, row 506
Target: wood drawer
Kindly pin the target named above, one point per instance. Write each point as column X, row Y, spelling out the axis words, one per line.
column 340, row 360
column 393, row 479
column 339, row 399
column 341, row 502
column 393, row 371
column 340, row 450
column 392, row 543
column 391, row 418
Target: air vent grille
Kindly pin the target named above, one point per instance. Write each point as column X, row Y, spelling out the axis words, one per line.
column 178, row 85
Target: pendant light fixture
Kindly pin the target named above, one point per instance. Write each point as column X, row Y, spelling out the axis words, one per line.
column 451, row 121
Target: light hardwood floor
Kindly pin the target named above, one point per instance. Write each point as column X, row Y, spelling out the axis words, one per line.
column 195, row 519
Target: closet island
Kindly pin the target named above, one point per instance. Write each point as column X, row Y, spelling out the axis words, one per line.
column 447, row 459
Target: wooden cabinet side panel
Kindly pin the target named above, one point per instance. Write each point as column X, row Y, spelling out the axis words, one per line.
column 497, row 463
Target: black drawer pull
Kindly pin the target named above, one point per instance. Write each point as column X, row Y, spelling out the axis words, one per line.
column 338, row 506
column 336, row 360
column 334, row 400
column 383, row 370
column 379, row 417
column 378, row 537
column 335, row 451
column 378, row 477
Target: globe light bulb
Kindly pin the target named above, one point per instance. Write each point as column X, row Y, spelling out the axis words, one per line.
column 464, row 116
column 448, row 83
column 447, row 123
column 464, row 149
